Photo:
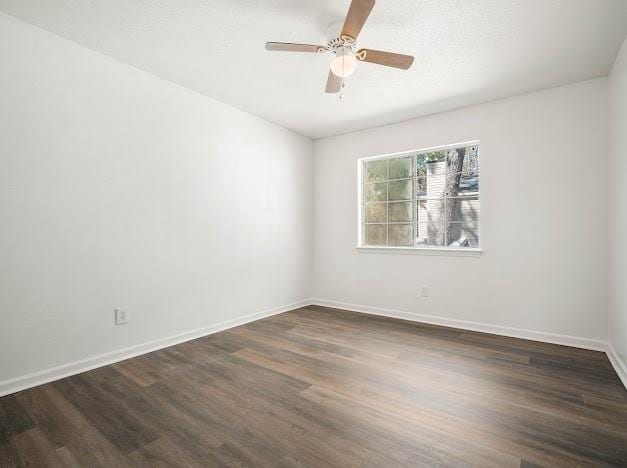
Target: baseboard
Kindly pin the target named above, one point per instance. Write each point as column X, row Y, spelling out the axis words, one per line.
column 55, row 373
column 38, row 378
column 619, row 365
column 566, row 340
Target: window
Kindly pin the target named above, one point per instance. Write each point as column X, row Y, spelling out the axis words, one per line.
column 422, row 199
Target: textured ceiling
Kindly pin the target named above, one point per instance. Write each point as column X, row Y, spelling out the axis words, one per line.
column 467, row 51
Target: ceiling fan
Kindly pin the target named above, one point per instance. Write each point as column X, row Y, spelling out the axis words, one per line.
column 343, row 47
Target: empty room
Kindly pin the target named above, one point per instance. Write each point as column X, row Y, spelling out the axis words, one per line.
column 315, row 233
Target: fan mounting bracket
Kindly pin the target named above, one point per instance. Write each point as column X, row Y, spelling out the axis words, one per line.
column 342, row 43
column 336, row 40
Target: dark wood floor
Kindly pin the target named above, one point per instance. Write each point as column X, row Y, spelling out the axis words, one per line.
column 321, row 387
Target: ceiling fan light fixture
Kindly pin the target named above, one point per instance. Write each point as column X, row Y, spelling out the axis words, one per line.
column 344, row 63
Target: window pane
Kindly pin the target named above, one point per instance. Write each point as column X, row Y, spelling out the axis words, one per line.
column 400, row 212
column 463, row 209
column 465, row 234
column 421, row 165
column 469, row 184
column 401, row 234
column 400, row 189
column 471, row 161
column 436, row 168
column 421, row 188
column 430, row 223
column 436, row 178
column 462, row 184
column 377, row 192
column 376, row 170
column 436, row 222
column 400, row 168
column 464, row 160
column 455, row 159
column 376, row 213
column 375, row 234
column 422, row 222
column 434, row 156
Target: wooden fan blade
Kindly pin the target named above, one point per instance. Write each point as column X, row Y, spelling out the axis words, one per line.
column 289, row 47
column 334, row 83
column 356, row 17
column 389, row 59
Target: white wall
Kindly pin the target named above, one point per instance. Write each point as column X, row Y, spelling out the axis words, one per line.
column 543, row 217
column 617, row 97
column 118, row 188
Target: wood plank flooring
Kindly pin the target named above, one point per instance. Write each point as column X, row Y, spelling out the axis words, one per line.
column 320, row 387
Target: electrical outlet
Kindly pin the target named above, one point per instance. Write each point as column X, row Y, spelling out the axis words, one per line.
column 424, row 291
column 121, row 316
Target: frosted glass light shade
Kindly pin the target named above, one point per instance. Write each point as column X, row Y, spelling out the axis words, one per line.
column 344, row 64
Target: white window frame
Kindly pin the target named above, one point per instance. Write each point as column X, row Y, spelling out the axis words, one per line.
column 415, row 249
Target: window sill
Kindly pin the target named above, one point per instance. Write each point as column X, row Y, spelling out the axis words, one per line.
column 440, row 251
